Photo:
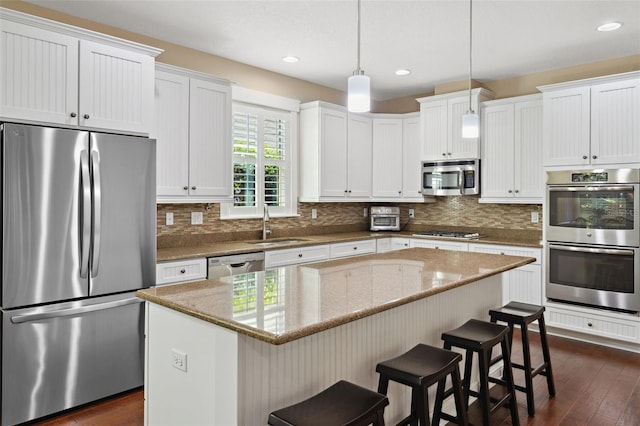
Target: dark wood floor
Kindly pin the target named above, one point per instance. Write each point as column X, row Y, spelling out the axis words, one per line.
column 594, row 386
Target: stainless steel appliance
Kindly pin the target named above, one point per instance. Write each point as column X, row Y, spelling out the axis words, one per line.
column 78, row 239
column 451, row 177
column 593, row 238
column 224, row 266
column 383, row 218
column 448, row 234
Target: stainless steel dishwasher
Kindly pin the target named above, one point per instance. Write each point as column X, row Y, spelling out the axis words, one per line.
column 224, row 266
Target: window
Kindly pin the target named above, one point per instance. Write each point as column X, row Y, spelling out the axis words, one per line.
column 263, row 162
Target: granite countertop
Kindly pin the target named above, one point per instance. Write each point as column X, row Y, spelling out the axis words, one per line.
column 284, row 304
column 487, row 236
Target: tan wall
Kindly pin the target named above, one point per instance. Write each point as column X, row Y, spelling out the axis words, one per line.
column 278, row 84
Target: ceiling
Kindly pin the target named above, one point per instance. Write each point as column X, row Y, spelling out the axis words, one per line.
column 429, row 37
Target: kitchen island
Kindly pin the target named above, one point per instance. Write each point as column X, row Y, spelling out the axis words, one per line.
column 229, row 351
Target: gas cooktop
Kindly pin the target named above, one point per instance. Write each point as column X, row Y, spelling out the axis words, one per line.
column 448, row 234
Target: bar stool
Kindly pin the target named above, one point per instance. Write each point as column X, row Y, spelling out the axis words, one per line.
column 480, row 337
column 524, row 314
column 420, row 368
column 342, row 403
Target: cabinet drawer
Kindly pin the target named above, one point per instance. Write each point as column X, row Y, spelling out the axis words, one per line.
column 438, row 244
column 507, row 250
column 592, row 323
column 352, row 248
column 297, row 255
column 181, row 270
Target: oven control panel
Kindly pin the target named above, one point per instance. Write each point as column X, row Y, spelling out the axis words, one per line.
column 590, row 177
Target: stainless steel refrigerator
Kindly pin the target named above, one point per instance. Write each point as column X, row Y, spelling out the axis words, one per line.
column 78, row 239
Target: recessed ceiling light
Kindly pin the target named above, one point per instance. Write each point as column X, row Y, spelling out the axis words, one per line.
column 403, row 71
column 610, row 26
column 290, row 59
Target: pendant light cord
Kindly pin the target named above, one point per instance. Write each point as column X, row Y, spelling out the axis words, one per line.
column 470, row 48
column 358, row 61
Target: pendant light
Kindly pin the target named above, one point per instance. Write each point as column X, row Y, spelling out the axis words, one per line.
column 358, row 85
column 470, row 120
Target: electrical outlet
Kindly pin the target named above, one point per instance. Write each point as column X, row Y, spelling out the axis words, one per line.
column 179, row 360
column 535, row 217
column 314, row 213
column 412, row 213
column 169, row 219
column 196, row 218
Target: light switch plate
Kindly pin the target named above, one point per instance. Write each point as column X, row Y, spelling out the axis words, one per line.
column 196, row 218
column 535, row 218
column 169, row 219
column 314, row 213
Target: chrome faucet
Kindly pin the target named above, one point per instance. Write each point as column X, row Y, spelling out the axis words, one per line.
column 266, row 229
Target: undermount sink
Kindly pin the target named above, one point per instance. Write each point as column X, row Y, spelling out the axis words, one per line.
column 277, row 242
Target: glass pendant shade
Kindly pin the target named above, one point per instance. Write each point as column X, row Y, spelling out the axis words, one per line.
column 470, row 125
column 359, row 99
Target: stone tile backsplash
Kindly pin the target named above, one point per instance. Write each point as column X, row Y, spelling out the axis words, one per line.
column 462, row 211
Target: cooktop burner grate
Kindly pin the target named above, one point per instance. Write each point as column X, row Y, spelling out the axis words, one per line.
column 449, row 234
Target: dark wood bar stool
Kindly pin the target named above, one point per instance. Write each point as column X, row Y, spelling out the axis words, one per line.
column 420, row 368
column 481, row 337
column 523, row 314
column 343, row 403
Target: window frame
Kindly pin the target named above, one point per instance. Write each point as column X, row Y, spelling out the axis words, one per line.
column 263, row 104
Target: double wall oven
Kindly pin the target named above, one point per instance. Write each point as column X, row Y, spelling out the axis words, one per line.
column 593, row 238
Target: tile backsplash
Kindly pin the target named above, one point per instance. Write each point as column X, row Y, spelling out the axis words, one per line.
column 462, row 211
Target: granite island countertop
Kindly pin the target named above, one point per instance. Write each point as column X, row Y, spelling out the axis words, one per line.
column 211, row 249
column 287, row 303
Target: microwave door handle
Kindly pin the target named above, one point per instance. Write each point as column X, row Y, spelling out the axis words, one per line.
column 461, row 181
column 619, row 252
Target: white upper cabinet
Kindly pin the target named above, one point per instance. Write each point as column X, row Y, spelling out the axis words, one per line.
column 512, row 150
column 335, row 154
column 592, row 122
column 193, row 132
column 396, row 158
column 68, row 76
column 441, row 120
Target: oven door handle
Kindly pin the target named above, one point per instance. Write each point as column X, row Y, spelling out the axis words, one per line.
column 619, row 252
column 591, row 188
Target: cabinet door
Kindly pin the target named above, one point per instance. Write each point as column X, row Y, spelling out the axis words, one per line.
column 209, row 139
column 333, row 148
column 523, row 284
column 433, row 117
column 498, row 152
column 460, row 147
column 615, row 127
column 566, row 127
column 39, row 75
column 171, row 131
column 358, row 157
column 116, row 88
column 387, row 158
column 411, row 164
column 528, row 175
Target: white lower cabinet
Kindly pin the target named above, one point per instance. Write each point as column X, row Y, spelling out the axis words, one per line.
column 600, row 323
column 523, row 284
column 275, row 258
column 439, row 244
column 181, row 271
column 352, row 248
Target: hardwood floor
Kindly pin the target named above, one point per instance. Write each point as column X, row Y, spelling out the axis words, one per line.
column 595, row 386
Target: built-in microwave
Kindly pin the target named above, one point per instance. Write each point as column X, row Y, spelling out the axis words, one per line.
column 451, row 177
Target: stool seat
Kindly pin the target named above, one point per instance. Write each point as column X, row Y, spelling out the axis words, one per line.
column 343, row 403
column 481, row 337
column 523, row 314
column 419, row 368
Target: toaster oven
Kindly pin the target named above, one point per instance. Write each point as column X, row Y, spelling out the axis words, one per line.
column 384, row 218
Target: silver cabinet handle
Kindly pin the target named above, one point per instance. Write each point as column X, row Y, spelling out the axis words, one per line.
column 97, row 212
column 73, row 115
column 86, row 116
column 19, row 319
column 85, row 241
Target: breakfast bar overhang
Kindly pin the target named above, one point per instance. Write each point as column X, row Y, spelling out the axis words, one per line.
column 229, row 351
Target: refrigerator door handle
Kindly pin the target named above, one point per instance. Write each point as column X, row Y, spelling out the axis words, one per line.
column 20, row 319
column 97, row 212
column 85, row 216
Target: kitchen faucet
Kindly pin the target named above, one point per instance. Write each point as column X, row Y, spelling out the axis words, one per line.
column 266, row 229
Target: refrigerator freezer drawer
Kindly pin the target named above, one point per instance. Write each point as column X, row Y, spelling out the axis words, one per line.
column 60, row 356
